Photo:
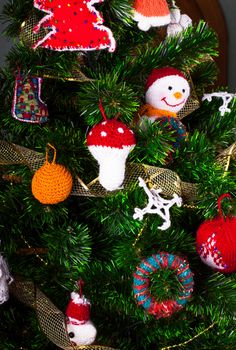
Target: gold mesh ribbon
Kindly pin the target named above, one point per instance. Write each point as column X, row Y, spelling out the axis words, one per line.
column 26, row 32
column 51, row 320
column 14, row 154
column 163, row 178
column 192, row 103
column 224, row 157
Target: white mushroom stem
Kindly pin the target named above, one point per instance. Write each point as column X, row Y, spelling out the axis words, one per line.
column 111, row 165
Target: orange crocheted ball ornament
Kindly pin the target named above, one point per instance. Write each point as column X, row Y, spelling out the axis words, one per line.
column 52, row 183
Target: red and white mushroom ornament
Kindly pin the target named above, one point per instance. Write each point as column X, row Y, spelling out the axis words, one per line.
column 110, row 143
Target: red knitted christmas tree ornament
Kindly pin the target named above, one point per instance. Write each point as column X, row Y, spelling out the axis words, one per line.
column 74, row 25
column 216, row 241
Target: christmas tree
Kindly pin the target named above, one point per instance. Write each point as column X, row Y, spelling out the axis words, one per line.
column 110, row 160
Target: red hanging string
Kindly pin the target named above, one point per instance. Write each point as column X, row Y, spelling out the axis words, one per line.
column 102, row 110
column 225, row 195
column 80, row 284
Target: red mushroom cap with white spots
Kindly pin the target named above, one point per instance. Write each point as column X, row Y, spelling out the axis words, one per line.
column 111, row 133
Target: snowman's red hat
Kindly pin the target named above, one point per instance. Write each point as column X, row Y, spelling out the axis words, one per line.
column 159, row 73
column 78, row 309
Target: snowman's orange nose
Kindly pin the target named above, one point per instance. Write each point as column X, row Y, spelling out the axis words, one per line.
column 178, row 95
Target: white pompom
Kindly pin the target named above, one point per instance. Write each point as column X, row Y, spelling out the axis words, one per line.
column 144, row 26
column 77, row 299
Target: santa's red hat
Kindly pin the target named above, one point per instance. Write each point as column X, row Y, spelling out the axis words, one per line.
column 78, row 309
column 159, row 73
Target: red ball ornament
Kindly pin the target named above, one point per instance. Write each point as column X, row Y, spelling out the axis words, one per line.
column 216, row 241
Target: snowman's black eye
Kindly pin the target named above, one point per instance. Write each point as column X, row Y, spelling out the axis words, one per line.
column 170, row 88
column 183, row 90
column 71, row 335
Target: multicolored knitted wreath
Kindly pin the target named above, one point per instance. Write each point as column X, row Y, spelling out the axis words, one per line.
column 141, row 283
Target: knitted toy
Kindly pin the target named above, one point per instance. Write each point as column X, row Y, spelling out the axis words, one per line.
column 27, row 104
column 80, row 329
column 141, row 284
column 75, row 25
column 5, row 280
column 151, row 13
column 216, row 241
column 178, row 23
column 166, row 93
column 52, row 183
column 110, row 143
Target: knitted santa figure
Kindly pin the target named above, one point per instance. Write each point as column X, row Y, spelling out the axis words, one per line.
column 166, row 93
column 74, row 25
column 151, row 13
column 80, row 328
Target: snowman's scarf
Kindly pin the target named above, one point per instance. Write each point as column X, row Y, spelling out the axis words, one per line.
column 163, row 116
column 150, row 111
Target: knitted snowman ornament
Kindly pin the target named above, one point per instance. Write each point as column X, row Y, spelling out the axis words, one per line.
column 166, row 92
column 151, row 13
column 110, row 143
column 80, row 328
